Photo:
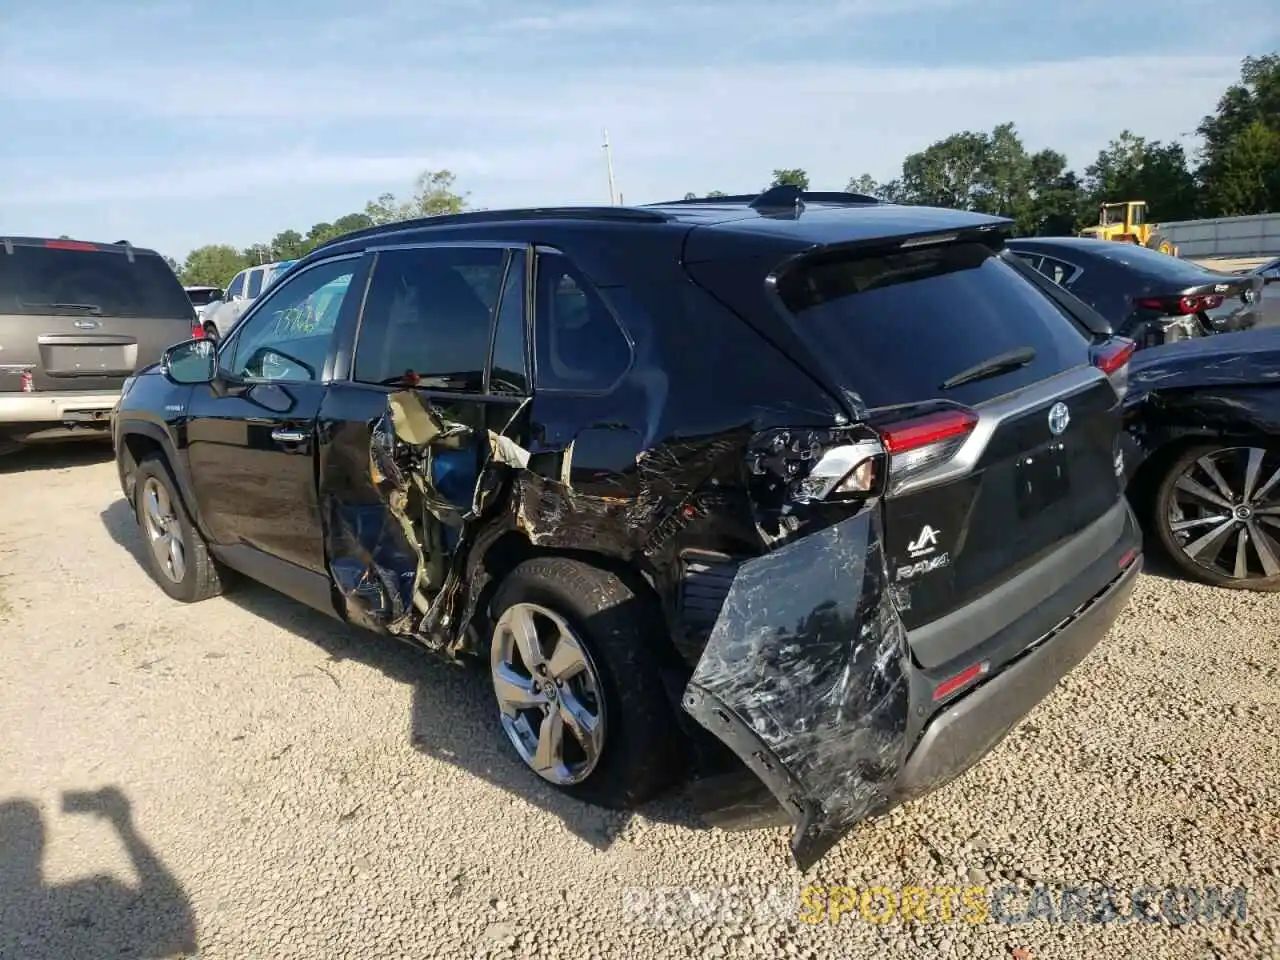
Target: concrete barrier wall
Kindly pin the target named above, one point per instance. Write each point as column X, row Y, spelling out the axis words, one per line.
column 1257, row 236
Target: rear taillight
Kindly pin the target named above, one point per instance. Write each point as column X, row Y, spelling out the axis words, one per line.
column 1114, row 355
column 197, row 332
column 1181, row 306
column 920, row 443
column 71, row 245
column 28, row 383
column 1112, row 358
column 791, row 467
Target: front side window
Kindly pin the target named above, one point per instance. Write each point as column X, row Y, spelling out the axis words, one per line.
column 578, row 343
column 287, row 337
column 428, row 315
column 236, row 289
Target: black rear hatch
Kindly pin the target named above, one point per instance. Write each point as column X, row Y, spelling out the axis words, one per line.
column 1001, row 505
column 953, row 329
column 82, row 317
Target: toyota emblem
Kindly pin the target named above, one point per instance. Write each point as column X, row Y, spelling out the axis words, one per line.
column 1059, row 417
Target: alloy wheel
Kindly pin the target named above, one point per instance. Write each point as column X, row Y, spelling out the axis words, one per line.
column 164, row 533
column 1224, row 512
column 549, row 693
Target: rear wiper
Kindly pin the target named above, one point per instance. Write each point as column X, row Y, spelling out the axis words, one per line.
column 90, row 308
column 1000, row 363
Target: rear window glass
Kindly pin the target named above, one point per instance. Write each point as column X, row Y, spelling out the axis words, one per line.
column 894, row 326
column 103, row 283
column 202, row 298
column 1153, row 263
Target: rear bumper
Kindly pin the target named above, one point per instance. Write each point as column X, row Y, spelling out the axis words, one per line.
column 958, row 737
column 809, row 679
column 57, row 408
column 54, row 407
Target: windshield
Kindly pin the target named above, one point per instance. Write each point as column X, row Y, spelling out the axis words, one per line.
column 101, row 281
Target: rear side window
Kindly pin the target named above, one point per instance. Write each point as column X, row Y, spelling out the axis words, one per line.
column 98, row 281
column 578, row 343
column 895, row 325
column 255, row 283
column 427, row 317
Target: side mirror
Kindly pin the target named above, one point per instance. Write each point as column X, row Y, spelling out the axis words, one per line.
column 190, row 362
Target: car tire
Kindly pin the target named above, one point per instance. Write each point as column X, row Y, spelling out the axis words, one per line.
column 617, row 630
column 1169, row 500
column 161, row 517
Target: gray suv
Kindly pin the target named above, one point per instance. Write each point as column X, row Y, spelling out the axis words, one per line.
column 76, row 320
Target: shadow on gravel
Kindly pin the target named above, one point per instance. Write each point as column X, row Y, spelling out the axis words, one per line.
column 55, row 456
column 453, row 716
column 94, row 916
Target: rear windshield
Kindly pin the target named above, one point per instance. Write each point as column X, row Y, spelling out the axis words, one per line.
column 202, row 298
column 894, row 326
column 102, row 282
column 1155, row 264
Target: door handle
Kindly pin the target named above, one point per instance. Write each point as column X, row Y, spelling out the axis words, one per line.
column 288, row 436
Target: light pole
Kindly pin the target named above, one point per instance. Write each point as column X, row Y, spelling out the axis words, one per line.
column 608, row 160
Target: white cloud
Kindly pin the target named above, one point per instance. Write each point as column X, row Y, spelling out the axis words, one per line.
column 674, row 129
column 422, row 86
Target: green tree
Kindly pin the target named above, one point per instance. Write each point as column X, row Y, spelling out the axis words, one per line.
column 213, row 265
column 433, row 196
column 1053, row 205
column 716, row 193
column 865, row 184
column 791, row 178
column 1248, row 173
column 691, row 196
column 1134, row 168
column 1241, row 151
column 259, row 253
column 288, row 245
column 948, row 173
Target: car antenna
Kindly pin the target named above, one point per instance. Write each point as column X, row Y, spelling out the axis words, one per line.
column 128, row 248
column 783, row 197
column 8, row 246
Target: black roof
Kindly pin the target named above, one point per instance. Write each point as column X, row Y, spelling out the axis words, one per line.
column 797, row 219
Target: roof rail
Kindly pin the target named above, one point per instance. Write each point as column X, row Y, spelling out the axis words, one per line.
column 783, row 196
column 601, row 213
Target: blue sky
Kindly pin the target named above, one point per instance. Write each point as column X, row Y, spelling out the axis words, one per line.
column 175, row 123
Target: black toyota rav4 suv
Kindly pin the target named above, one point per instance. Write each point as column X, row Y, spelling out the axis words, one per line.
column 830, row 483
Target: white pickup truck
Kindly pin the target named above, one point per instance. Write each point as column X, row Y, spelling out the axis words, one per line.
column 247, row 285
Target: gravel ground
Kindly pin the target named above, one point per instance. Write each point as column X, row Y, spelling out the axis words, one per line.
column 267, row 783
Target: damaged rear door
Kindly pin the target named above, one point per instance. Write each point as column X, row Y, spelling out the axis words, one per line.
column 438, row 376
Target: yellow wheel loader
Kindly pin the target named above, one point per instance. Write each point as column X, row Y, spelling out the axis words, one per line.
column 1127, row 222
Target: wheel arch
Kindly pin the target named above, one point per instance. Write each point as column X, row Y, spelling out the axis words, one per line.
column 491, row 564
column 1172, row 443
column 139, row 439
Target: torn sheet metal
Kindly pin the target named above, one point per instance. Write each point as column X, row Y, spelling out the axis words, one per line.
column 392, row 534
column 802, row 677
